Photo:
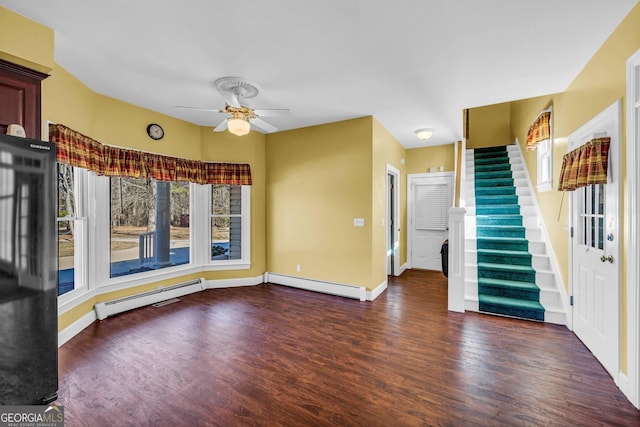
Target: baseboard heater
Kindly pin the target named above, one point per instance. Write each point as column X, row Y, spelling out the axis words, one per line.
column 163, row 293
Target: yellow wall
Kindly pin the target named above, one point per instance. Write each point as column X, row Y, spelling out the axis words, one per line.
column 24, row 42
column 386, row 150
column 523, row 113
column 419, row 160
column 489, row 126
column 318, row 181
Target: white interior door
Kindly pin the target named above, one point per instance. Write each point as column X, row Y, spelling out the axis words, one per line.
column 595, row 278
column 431, row 199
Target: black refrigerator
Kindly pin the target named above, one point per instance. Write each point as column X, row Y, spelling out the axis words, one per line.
column 28, row 272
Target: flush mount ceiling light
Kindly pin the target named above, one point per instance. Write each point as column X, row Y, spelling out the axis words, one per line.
column 238, row 125
column 424, row 133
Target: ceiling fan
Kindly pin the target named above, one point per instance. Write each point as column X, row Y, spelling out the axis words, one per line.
column 235, row 91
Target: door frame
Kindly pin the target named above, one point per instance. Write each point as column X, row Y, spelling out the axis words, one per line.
column 630, row 384
column 392, row 219
column 610, row 115
column 411, row 178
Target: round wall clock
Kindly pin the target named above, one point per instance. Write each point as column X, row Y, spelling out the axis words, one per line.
column 155, row 131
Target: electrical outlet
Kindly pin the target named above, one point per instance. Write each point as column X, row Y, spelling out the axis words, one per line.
column 298, row 268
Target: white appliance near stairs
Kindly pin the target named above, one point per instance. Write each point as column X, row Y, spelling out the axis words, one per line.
column 552, row 291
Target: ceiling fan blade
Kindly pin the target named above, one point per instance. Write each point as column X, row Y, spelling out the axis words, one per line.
column 272, row 112
column 215, row 110
column 230, row 98
column 221, row 127
column 263, row 125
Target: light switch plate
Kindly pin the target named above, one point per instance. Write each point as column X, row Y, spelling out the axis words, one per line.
column 358, row 222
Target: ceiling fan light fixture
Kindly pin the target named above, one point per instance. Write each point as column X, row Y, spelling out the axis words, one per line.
column 424, row 133
column 238, row 126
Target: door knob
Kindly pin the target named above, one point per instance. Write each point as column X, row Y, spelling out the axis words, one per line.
column 607, row 258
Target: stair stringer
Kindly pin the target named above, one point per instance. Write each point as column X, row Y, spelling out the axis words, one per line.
column 552, row 294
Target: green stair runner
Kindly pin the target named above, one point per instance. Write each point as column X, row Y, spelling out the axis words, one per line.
column 506, row 279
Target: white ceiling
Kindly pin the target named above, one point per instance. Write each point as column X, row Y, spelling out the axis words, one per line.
column 409, row 63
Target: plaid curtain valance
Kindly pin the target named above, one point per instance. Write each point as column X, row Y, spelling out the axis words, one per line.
column 539, row 130
column 586, row 165
column 76, row 149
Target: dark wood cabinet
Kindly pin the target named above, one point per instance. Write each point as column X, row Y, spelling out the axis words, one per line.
column 20, row 98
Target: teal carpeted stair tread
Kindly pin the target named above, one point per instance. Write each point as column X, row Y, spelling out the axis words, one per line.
column 491, row 149
column 485, row 152
column 493, row 174
column 490, row 160
column 496, row 200
column 499, row 219
column 496, row 191
column 520, row 273
column 507, row 267
column 502, row 256
column 511, row 307
column 498, row 209
column 488, row 281
column 500, row 231
column 508, row 243
column 508, row 288
column 492, row 167
column 494, row 182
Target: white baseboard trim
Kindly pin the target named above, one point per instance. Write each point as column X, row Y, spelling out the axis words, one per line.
column 234, row 283
column 403, row 268
column 348, row 291
column 371, row 295
column 76, row 327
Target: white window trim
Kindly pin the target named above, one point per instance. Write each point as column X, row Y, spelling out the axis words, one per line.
column 80, row 264
column 545, row 183
column 237, row 264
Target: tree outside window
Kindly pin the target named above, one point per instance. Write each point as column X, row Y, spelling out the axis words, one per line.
column 149, row 225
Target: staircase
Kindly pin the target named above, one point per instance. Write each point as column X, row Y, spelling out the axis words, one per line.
column 508, row 266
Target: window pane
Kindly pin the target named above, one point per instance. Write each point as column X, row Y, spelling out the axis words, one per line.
column 66, row 229
column 601, row 198
column 601, row 233
column 66, row 257
column 226, row 222
column 149, row 225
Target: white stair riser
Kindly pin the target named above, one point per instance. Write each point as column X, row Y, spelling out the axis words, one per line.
column 550, row 299
column 540, row 262
column 536, row 248
column 545, row 280
column 557, row 318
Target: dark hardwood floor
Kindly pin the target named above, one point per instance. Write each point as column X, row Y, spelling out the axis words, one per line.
column 271, row 355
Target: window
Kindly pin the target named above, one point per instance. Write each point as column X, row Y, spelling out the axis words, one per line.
column 149, row 225
column 591, row 209
column 545, row 166
column 229, row 222
column 72, row 230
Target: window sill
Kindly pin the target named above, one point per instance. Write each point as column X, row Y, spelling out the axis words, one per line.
column 544, row 187
column 73, row 299
column 227, row 265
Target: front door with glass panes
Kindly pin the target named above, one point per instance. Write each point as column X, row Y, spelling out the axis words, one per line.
column 594, row 251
